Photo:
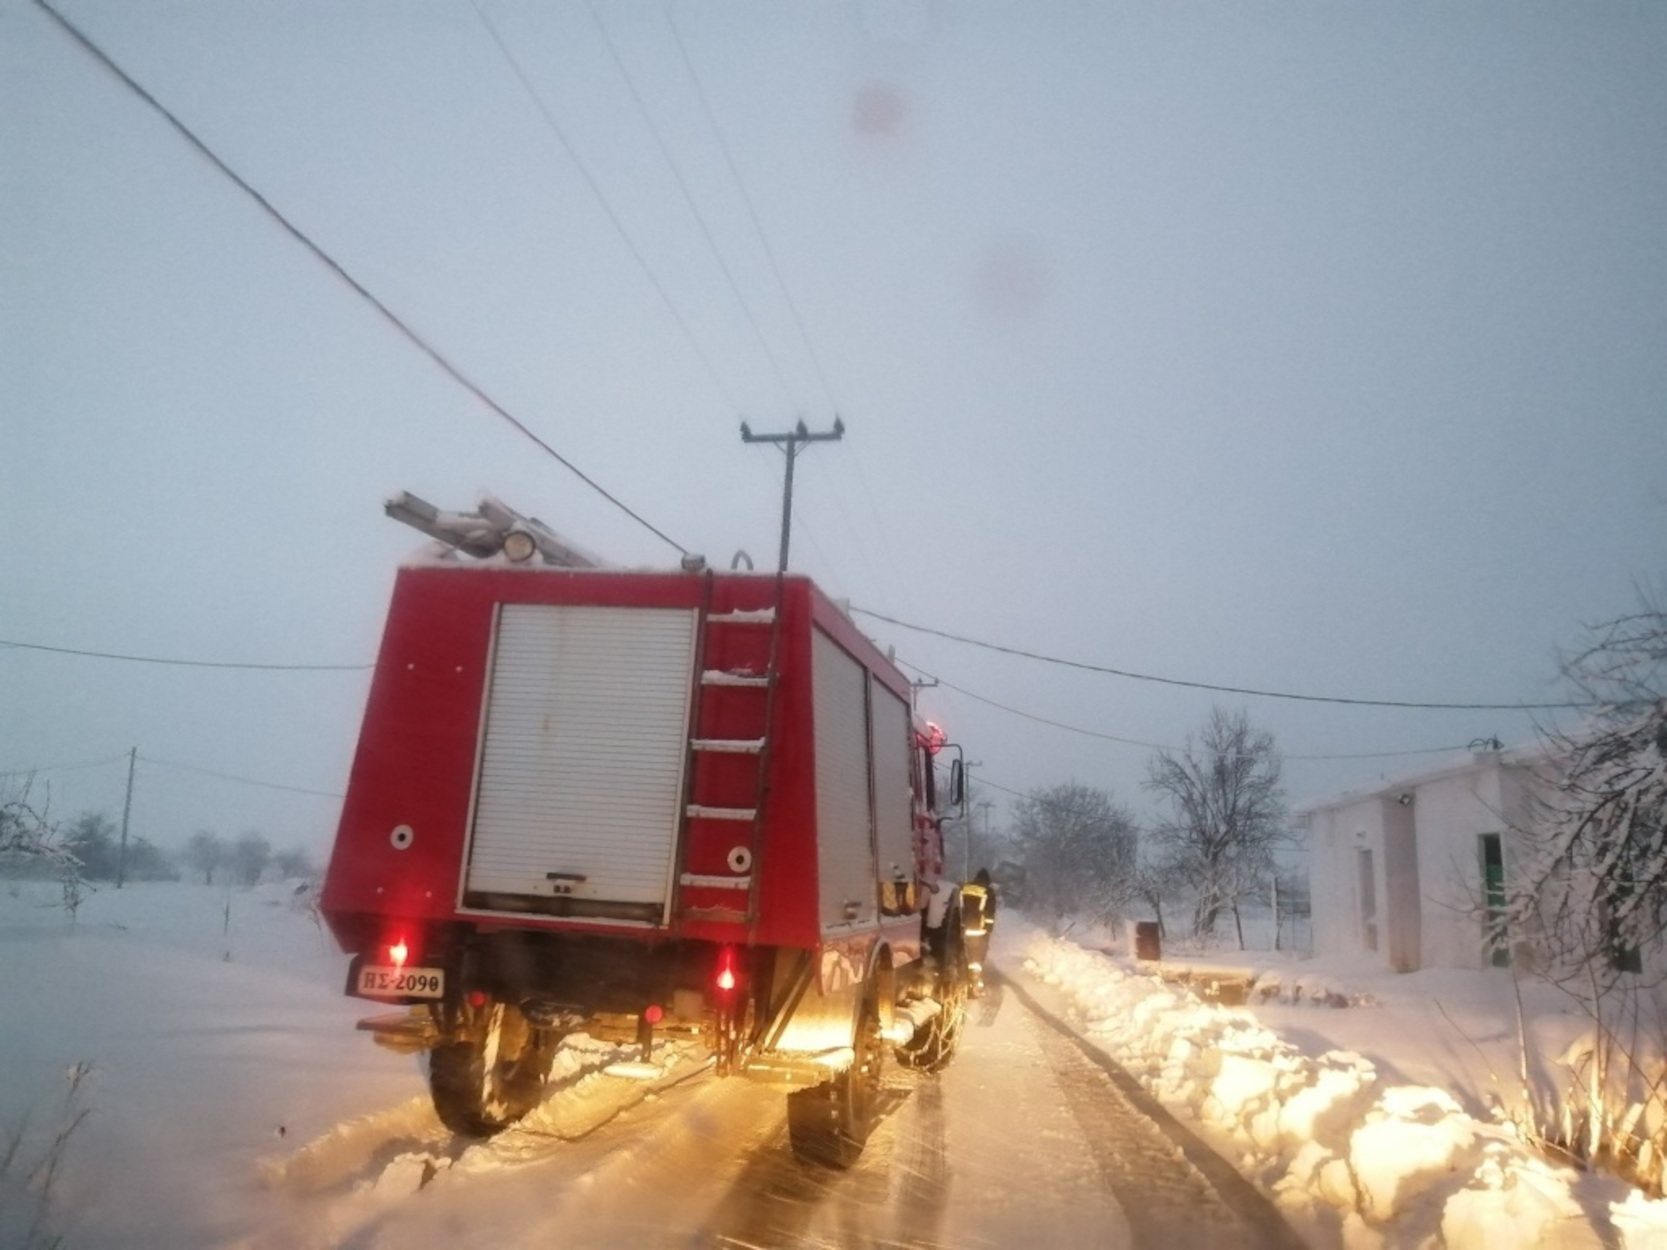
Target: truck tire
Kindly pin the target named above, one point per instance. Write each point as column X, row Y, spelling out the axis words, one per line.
column 493, row 1073
column 829, row 1124
column 934, row 1043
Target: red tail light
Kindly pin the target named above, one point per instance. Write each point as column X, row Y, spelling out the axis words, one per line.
column 726, row 978
column 398, row 953
column 653, row 1013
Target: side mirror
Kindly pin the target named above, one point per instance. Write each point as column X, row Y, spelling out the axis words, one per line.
column 957, row 783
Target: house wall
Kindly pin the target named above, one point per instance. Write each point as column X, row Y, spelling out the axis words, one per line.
column 1403, row 920
column 1425, row 838
column 1336, row 837
column 1452, row 814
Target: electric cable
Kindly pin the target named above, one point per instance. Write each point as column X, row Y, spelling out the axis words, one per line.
column 1203, row 685
column 982, row 780
column 247, row 781
column 549, row 117
column 752, row 211
column 1158, row 746
column 63, row 768
column 887, row 545
column 393, row 318
column 847, row 527
column 153, row 659
column 689, row 199
column 801, row 526
column 786, row 293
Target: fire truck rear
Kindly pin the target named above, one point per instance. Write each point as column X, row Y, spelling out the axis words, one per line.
column 633, row 804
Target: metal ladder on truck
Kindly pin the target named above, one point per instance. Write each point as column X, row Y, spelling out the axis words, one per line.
column 735, row 689
column 746, row 675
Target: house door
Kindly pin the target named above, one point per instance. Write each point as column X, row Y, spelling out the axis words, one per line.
column 1493, row 898
column 1368, row 899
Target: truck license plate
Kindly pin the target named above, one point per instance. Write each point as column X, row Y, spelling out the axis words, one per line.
column 385, row 982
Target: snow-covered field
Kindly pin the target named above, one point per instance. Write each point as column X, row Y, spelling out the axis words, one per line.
column 213, row 1038
column 225, row 1086
column 229, row 1102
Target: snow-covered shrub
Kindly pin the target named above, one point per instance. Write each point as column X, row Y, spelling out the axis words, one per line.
column 1590, row 900
column 32, row 1163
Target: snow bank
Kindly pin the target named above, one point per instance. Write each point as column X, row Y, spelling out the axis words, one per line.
column 1350, row 1157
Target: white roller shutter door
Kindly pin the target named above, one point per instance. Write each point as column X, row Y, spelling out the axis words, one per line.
column 582, row 761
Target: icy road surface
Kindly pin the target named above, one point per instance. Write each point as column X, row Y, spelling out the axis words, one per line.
column 231, row 1104
column 1021, row 1141
column 221, row 1098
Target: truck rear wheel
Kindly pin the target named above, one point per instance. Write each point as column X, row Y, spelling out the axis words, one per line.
column 492, row 1073
column 829, row 1123
column 934, row 1043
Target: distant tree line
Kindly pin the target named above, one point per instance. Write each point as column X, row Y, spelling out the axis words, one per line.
column 1079, row 854
column 89, row 846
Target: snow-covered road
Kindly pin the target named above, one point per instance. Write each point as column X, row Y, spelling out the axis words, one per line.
column 232, row 1104
column 1023, row 1140
column 229, row 1102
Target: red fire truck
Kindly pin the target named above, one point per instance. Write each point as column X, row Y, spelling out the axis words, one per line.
column 635, row 804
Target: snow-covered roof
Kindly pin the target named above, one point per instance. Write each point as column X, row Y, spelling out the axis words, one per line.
column 1526, row 755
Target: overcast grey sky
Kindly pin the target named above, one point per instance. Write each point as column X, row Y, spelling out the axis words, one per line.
column 1317, row 348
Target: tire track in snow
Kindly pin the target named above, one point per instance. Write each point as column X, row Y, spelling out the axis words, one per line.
column 347, row 1181
column 1173, row 1187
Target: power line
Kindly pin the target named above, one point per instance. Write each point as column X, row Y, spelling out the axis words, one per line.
column 153, row 659
column 1201, row 685
column 1158, row 746
column 886, row 543
column 247, row 781
column 393, row 318
column 190, row 768
column 689, row 199
column 607, row 208
column 63, row 768
column 996, row 785
column 787, row 297
column 752, row 210
column 850, row 530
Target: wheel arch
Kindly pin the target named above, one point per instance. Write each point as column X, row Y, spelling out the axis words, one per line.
column 881, row 976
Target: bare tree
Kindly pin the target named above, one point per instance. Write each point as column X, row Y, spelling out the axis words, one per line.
column 205, row 852
column 30, row 841
column 27, row 837
column 1226, row 812
column 1592, row 893
column 1077, row 845
column 1599, row 887
column 249, row 856
column 295, row 864
column 1154, row 881
column 91, row 838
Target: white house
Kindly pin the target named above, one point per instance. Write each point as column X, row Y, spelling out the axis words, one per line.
column 1407, row 872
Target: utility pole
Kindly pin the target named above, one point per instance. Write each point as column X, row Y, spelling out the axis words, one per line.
column 127, row 807
column 790, row 444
